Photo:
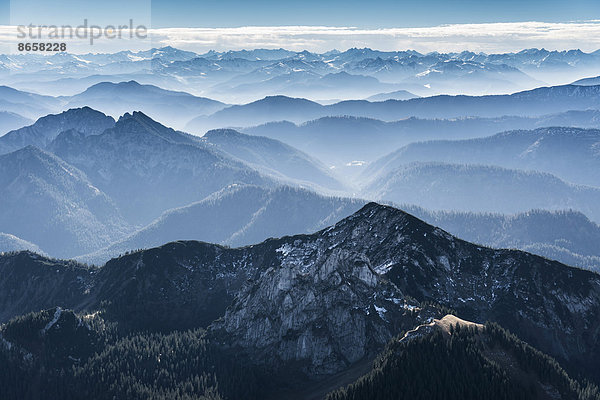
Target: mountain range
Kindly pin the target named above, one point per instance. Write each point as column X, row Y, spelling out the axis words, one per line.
column 26, row 105
column 528, row 109
column 481, row 188
column 171, row 108
column 532, row 103
column 273, row 157
column 10, row 121
column 567, row 236
column 569, row 153
column 245, row 74
column 88, row 168
column 245, row 258
column 236, row 216
column 301, row 309
column 86, row 140
column 139, row 157
column 52, row 204
column 341, row 140
column 40, row 134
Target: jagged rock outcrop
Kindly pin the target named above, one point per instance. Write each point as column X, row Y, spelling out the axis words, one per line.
column 324, row 307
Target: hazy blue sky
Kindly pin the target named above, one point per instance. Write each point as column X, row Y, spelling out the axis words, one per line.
column 364, row 14
column 367, row 14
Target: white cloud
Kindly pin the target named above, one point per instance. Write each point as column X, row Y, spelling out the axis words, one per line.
column 489, row 37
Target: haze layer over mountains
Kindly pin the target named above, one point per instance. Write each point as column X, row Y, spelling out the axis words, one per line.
column 276, row 224
column 116, row 177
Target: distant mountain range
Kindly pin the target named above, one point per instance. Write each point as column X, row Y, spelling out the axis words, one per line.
column 479, row 188
column 236, row 216
column 52, row 204
column 97, row 179
column 272, row 157
column 40, row 134
column 126, row 162
column 532, row 103
column 199, row 114
column 10, row 121
column 567, row 236
column 247, row 75
column 138, row 158
column 340, row 140
column 171, row 108
column 244, row 215
column 569, row 153
column 308, row 84
column 26, row 105
column 397, row 95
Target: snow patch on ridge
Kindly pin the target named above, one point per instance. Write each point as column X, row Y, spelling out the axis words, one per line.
column 54, row 320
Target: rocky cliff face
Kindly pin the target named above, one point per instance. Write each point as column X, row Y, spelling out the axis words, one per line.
column 324, row 307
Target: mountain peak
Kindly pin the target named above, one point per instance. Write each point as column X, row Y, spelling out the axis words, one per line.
column 223, row 133
column 372, row 209
column 139, row 123
column 378, row 222
column 137, row 115
column 279, row 97
column 110, row 84
column 281, row 100
column 129, row 83
column 140, row 118
column 78, row 112
column 47, row 128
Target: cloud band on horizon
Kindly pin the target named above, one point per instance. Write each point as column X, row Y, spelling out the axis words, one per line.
column 484, row 37
column 489, row 37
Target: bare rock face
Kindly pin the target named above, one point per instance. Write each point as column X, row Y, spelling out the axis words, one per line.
column 322, row 306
